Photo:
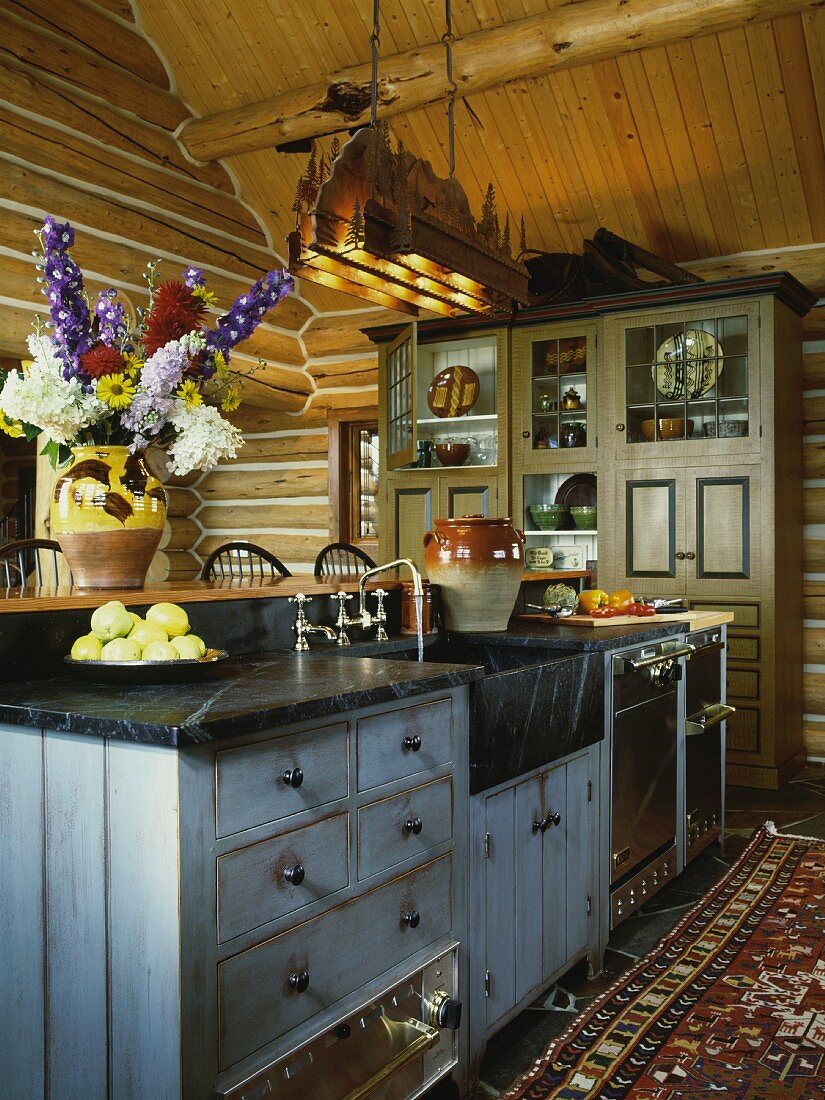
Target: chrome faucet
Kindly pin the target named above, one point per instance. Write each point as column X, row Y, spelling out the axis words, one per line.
column 364, row 618
column 303, row 626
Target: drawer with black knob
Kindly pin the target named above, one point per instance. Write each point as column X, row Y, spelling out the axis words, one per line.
column 281, row 875
column 403, row 742
column 274, row 779
column 267, row 990
column 404, row 826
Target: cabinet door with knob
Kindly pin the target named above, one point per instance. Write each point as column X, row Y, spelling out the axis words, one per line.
column 540, row 882
column 691, row 531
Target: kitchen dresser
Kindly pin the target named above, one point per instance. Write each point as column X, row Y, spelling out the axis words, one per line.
column 229, row 893
column 687, row 421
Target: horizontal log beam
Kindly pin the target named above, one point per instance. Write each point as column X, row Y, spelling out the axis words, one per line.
column 349, row 372
column 567, row 36
column 41, row 51
column 813, row 505
column 290, row 448
column 251, row 484
column 65, row 105
column 251, row 517
column 814, row 738
column 289, row 548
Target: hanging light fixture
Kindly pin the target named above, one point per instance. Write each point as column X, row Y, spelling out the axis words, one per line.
column 375, row 221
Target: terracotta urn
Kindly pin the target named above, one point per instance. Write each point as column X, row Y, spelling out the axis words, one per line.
column 477, row 562
column 108, row 513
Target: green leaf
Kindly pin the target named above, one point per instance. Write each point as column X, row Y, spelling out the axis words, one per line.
column 30, row 432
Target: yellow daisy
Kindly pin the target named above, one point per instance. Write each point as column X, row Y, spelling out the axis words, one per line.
column 230, row 400
column 116, row 390
column 189, row 392
column 14, row 428
column 134, row 364
column 221, row 368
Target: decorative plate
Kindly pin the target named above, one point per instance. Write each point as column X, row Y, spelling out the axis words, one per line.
column 688, row 365
column 453, row 391
column 580, row 489
column 148, row 672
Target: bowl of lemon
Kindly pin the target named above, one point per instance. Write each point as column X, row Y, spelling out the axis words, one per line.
column 122, row 647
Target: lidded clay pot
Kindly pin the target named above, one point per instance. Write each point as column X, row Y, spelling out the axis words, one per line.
column 477, row 562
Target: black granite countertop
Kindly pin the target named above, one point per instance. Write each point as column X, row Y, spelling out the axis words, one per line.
column 579, row 639
column 241, row 696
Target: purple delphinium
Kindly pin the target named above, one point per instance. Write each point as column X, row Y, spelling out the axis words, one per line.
column 193, row 276
column 72, row 329
column 111, row 317
column 247, row 312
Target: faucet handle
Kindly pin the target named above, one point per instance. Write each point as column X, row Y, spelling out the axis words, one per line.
column 342, row 597
column 380, row 615
column 300, row 599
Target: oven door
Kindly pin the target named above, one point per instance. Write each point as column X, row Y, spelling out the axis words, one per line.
column 703, row 677
column 644, row 782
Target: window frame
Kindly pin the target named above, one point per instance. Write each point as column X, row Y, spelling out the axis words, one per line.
column 344, row 473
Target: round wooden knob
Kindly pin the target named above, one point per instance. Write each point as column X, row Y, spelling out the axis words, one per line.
column 415, row 825
column 299, row 980
column 412, row 919
column 412, row 744
column 293, row 777
column 295, row 874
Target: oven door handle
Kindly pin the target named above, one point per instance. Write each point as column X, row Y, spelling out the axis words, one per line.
column 712, row 647
column 645, row 662
column 695, row 727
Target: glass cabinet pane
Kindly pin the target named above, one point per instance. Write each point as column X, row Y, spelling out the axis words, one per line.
column 687, row 380
column 558, row 393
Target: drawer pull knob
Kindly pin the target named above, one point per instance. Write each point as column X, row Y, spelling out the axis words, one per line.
column 293, row 777
column 550, row 818
column 412, row 744
column 412, row 919
column 414, row 826
column 299, row 981
column 295, row 874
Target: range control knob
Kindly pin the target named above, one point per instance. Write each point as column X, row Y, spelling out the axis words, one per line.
column 445, row 1011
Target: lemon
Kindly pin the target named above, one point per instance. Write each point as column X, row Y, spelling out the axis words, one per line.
column 160, row 651
column 120, row 649
column 172, row 618
column 112, row 620
column 87, row 648
column 144, row 633
column 189, row 648
column 134, row 617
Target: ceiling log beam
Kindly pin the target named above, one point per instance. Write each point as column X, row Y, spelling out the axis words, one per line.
column 575, row 34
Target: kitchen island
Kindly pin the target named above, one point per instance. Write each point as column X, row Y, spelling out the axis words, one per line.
column 204, row 880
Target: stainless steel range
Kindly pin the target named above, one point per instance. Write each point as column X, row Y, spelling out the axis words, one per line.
column 644, row 779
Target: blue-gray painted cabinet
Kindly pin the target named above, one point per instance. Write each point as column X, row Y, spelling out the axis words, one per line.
column 535, row 902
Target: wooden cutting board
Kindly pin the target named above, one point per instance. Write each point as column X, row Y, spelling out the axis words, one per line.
column 616, row 620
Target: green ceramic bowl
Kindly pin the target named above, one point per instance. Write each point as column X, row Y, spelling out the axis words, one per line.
column 585, row 516
column 548, row 517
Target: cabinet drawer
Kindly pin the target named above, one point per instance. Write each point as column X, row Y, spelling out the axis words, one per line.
column 257, row 884
column 404, row 826
column 339, row 950
column 250, row 787
column 403, row 742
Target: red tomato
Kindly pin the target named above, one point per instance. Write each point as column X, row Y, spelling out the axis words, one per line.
column 602, row 613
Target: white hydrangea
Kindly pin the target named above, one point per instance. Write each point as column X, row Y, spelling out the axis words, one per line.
column 203, row 438
column 41, row 396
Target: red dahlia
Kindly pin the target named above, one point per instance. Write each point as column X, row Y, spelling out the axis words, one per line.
column 100, row 361
column 175, row 311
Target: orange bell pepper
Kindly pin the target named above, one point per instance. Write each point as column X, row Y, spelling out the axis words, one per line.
column 621, row 599
column 591, row 598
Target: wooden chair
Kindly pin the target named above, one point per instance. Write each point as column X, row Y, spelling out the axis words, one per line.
column 236, row 560
column 342, row 559
column 20, row 559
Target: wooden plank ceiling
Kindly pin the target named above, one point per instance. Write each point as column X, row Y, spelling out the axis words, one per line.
column 707, row 148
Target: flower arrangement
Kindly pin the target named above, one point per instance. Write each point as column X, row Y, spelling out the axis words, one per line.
column 100, row 377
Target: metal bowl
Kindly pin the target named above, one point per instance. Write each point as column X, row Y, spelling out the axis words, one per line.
column 148, row 672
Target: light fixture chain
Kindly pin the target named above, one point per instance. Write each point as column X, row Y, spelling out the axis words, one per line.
column 375, row 42
column 448, row 38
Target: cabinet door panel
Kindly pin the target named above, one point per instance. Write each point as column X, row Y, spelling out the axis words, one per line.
column 651, row 530
column 724, row 514
column 398, row 411
column 500, row 903
column 467, row 498
column 581, row 827
column 554, row 878
column 412, row 508
column 528, row 860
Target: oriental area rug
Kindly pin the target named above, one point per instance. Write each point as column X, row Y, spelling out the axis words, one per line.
column 730, row 1003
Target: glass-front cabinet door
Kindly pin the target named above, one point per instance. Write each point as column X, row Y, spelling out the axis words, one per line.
column 686, row 381
column 554, row 398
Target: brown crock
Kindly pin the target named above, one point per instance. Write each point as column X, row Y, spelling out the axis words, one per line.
column 477, row 562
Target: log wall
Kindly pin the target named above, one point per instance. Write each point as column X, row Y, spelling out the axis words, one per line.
column 87, row 121
column 814, row 526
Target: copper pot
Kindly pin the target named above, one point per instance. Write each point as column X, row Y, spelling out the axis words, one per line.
column 477, row 562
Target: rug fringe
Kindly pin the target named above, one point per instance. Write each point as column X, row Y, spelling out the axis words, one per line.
column 771, row 830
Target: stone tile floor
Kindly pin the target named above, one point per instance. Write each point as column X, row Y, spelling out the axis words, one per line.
column 799, row 807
